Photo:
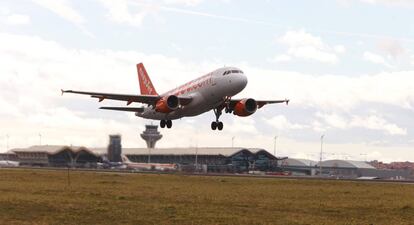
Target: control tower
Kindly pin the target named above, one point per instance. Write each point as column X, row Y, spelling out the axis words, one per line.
column 114, row 148
column 151, row 135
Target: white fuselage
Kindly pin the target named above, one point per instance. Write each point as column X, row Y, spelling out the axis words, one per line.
column 207, row 93
column 5, row 163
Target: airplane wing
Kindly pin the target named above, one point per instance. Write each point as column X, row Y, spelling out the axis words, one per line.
column 125, row 109
column 260, row 103
column 146, row 99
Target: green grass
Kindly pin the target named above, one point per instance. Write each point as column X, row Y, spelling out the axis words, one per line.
column 43, row 197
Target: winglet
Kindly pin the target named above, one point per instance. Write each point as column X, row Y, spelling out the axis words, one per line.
column 287, row 101
column 63, row 91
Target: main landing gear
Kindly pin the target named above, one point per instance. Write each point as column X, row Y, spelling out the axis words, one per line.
column 217, row 124
column 166, row 123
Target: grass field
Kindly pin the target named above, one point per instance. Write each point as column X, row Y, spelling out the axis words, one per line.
column 44, row 197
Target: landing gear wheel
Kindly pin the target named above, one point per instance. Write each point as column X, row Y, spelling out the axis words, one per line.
column 217, row 124
column 213, row 125
column 162, row 123
column 169, row 124
column 220, row 125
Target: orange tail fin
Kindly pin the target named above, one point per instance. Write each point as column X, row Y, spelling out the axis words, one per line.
column 145, row 83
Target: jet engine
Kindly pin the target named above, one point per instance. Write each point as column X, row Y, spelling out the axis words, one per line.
column 245, row 107
column 167, row 104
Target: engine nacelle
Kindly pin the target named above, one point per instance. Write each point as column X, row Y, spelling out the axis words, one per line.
column 245, row 107
column 167, row 104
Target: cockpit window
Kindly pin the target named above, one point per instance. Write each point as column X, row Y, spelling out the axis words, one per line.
column 232, row 71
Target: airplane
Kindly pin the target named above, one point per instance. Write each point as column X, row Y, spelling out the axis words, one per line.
column 152, row 166
column 212, row 91
column 149, row 166
column 127, row 164
column 7, row 163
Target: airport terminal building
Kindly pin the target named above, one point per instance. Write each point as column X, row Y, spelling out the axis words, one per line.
column 234, row 160
column 214, row 160
column 211, row 159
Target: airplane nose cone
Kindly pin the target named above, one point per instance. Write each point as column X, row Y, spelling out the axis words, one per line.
column 243, row 80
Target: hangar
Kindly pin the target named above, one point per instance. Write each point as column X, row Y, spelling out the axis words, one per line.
column 299, row 166
column 57, row 156
column 355, row 169
column 333, row 168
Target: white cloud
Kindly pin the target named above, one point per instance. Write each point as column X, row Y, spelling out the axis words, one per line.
column 281, row 58
column 17, row 19
column 9, row 18
column 399, row 3
column 334, row 120
column 318, row 126
column 304, row 45
column 4, row 10
column 62, row 8
column 133, row 13
column 374, row 122
column 31, row 83
column 375, row 58
column 245, row 125
column 119, row 12
column 371, row 122
column 184, row 2
column 332, row 92
column 280, row 122
column 391, row 48
column 34, row 70
column 339, row 49
column 390, row 2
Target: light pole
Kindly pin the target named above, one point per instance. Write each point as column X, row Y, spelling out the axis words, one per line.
column 320, row 159
column 274, row 148
column 364, row 154
column 232, row 141
column 196, row 158
column 7, row 142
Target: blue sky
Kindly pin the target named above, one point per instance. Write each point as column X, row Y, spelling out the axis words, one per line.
column 347, row 66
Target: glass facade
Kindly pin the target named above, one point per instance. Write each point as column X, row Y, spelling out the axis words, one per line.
column 241, row 161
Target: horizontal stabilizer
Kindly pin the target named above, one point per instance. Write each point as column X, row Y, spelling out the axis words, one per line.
column 126, row 109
